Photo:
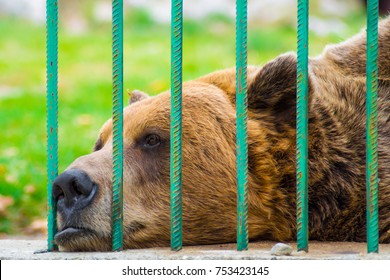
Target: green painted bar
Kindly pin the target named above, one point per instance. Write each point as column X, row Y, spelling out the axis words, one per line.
column 302, row 126
column 52, row 115
column 117, row 116
column 241, row 125
column 372, row 126
column 176, row 125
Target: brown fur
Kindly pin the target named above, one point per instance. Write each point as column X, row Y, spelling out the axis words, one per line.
column 336, row 156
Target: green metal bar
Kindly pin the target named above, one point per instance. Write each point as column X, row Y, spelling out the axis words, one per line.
column 176, row 124
column 302, row 126
column 241, row 125
column 372, row 126
column 117, row 117
column 52, row 115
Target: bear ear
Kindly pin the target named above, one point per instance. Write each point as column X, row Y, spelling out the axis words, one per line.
column 274, row 89
column 271, row 89
column 137, row 95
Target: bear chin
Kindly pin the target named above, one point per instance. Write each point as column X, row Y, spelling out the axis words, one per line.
column 77, row 239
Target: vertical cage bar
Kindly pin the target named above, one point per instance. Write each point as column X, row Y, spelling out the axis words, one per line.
column 117, row 118
column 302, row 126
column 241, row 125
column 372, row 126
column 52, row 115
column 176, row 124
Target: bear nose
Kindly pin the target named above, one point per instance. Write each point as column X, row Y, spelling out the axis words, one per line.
column 75, row 188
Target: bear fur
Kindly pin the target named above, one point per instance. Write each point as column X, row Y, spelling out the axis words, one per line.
column 337, row 157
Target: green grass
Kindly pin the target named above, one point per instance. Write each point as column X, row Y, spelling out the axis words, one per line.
column 85, row 88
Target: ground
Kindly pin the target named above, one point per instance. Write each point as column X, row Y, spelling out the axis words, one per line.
column 32, row 249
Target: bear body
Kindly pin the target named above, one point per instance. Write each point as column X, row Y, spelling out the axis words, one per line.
column 337, row 158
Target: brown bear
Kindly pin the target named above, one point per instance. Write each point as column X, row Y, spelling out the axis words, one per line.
column 337, row 194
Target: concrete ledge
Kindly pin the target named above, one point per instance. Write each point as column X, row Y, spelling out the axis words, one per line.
column 29, row 250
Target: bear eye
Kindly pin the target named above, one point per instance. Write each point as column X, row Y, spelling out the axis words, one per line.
column 152, row 141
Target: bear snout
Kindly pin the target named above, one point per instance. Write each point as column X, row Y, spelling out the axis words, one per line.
column 73, row 190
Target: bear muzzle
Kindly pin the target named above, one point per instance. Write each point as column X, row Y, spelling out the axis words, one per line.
column 73, row 191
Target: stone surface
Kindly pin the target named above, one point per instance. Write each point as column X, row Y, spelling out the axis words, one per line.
column 29, row 249
column 281, row 249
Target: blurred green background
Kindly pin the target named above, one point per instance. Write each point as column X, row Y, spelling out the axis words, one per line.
column 85, row 77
